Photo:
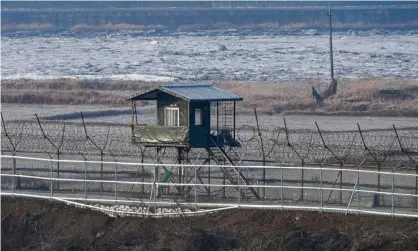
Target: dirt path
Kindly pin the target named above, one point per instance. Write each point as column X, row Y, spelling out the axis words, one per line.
column 43, row 225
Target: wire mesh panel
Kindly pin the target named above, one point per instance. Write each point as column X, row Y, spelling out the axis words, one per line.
column 222, row 116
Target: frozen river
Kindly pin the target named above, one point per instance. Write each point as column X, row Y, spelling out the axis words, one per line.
column 205, row 57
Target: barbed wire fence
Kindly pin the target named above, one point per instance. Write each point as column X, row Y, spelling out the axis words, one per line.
column 261, row 143
column 279, row 144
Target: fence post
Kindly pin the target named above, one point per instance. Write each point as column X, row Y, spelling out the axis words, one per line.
column 102, row 153
column 412, row 160
column 101, row 149
column 281, row 187
column 339, row 160
column 85, row 179
column 116, row 175
column 299, row 156
column 375, row 159
column 143, row 173
column 155, row 187
column 320, row 189
column 57, row 148
column 58, row 169
column 321, row 184
column 157, row 173
column 357, row 188
column 195, row 188
column 51, row 177
column 14, row 172
column 239, row 189
column 393, row 190
column 101, row 170
column 223, row 187
column 59, row 151
column 262, row 152
column 393, row 187
column 14, row 146
column 209, row 175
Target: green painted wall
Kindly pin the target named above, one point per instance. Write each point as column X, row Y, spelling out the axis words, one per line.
column 166, row 100
column 199, row 133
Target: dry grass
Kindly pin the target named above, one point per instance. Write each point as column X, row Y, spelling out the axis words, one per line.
column 294, row 25
column 210, row 26
column 71, row 97
column 70, row 91
column 74, row 84
column 354, row 97
column 28, row 27
column 116, row 27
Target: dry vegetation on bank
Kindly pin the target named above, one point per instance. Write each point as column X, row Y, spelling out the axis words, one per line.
column 45, row 225
column 354, row 97
column 207, row 26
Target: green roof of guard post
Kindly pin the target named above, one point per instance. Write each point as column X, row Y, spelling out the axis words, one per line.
column 184, row 115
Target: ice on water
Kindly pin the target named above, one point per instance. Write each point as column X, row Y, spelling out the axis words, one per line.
column 201, row 56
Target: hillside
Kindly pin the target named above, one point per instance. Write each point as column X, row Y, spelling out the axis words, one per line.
column 46, row 225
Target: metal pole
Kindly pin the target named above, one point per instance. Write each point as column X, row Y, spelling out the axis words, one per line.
column 341, row 185
column 143, row 172
column 262, row 151
column 153, row 189
column 358, row 188
column 51, row 176
column 195, row 188
column 223, row 183
column 412, row 160
column 330, row 44
column 180, row 168
column 393, row 186
column 157, row 172
column 393, row 190
column 209, row 175
column 281, row 186
column 101, row 169
column 156, row 175
column 351, row 197
column 378, row 184
column 116, row 174
column 58, row 169
column 239, row 190
column 234, row 119
column 217, row 122
column 416, row 187
column 302, row 174
column 321, row 192
column 85, row 179
column 14, row 172
column 136, row 114
column 185, row 169
column 246, row 189
column 132, row 117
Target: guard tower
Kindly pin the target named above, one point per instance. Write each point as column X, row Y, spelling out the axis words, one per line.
column 191, row 116
column 185, row 113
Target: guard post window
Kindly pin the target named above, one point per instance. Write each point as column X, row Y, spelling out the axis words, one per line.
column 197, row 117
column 171, row 116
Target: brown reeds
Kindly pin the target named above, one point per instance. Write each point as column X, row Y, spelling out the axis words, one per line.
column 354, row 97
